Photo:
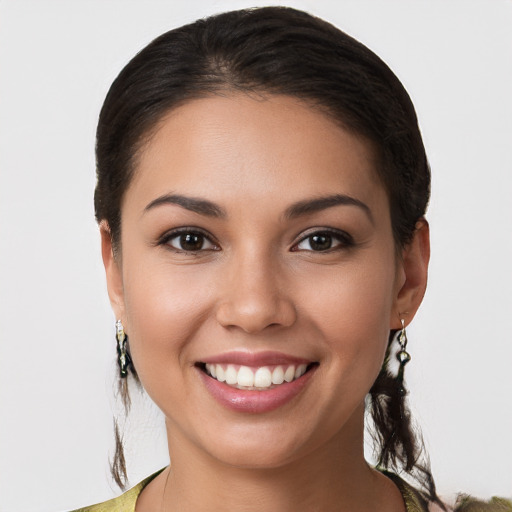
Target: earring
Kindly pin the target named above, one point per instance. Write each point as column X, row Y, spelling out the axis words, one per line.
column 122, row 356
column 403, row 357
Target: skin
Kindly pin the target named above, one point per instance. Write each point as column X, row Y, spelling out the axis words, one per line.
column 259, row 285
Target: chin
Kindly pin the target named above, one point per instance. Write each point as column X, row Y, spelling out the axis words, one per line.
column 269, row 444
column 255, row 456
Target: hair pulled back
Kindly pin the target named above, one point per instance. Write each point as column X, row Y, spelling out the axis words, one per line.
column 277, row 50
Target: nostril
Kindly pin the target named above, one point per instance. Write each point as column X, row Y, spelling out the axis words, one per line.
column 255, row 315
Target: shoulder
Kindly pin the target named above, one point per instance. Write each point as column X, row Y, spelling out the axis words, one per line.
column 412, row 499
column 124, row 503
column 467, row 504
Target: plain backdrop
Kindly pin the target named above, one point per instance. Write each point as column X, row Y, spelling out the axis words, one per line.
column 57, row 60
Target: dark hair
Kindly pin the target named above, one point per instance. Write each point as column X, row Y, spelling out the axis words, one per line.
column 279, row 50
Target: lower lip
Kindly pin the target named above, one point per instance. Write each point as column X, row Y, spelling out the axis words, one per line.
column 255, row 401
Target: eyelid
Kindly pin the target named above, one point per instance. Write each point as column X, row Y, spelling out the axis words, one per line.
column 346, row 240
column 174, row 233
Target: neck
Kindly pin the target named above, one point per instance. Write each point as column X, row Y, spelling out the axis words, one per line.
column 333, row 477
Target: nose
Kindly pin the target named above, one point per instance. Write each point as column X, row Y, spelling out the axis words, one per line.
column 254, row 296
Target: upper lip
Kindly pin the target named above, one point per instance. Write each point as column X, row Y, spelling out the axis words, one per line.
column 255, row 359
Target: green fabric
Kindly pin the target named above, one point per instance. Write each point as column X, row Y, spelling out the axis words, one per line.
column 412, row 499
column 125, row 502
column 468, row 504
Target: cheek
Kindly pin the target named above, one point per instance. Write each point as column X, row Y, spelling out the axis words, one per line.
column 352, row 310
column 164, row 309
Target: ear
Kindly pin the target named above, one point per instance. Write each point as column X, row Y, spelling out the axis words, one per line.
column 412, row 273
column 112, row 270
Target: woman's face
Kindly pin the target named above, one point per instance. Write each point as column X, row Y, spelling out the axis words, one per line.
column 257, row 245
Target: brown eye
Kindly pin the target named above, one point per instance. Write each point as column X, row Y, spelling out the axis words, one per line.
column 320, row 242
column 324, row 241
column 190, row 241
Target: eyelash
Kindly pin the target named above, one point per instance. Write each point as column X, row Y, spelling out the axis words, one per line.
column 177, row 233
column 344, row 240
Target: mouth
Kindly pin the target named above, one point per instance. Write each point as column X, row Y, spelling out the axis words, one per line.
column 256, row 378
column 255, row 383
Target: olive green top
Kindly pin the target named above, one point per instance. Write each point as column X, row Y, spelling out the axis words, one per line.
column 412, row 499
column 126, row 502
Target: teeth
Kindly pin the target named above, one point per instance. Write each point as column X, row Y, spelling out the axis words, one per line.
column 231, row 375
column 220, row 373
column 300, row 371
column 289, row 374
column 262, row 378
column 278, row 375
column 255, row 378
column 245, row 377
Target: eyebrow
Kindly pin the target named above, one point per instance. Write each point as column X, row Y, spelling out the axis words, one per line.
column 310, row 206
column 299, row 209
column 194, row 204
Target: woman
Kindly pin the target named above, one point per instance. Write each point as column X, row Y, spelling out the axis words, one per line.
column 262, row 185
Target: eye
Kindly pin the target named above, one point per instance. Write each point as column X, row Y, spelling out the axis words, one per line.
column 188, row 241
column 322, row 241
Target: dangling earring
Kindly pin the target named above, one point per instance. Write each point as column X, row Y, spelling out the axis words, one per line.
column 403, row 357
column 122, row 356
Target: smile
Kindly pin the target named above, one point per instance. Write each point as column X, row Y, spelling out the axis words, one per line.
column 255, row 383
column 255, row 378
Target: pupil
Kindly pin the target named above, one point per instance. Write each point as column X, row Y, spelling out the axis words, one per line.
column 320, row 242
column 191, row 241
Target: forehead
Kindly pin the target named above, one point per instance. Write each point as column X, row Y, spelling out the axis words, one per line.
column 221, row 146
